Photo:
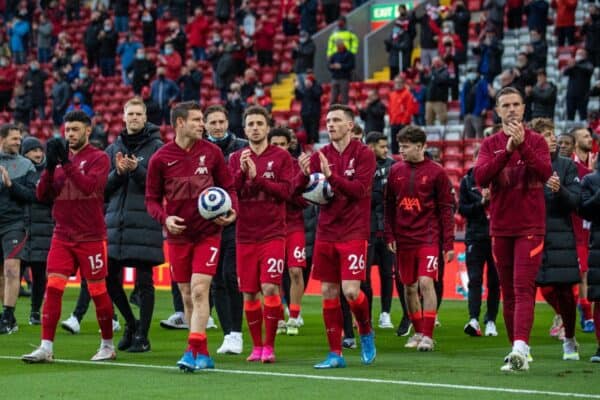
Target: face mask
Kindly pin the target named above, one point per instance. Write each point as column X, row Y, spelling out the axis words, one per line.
column 395, row 30
column 302, row 39
column 579, row 58
column 259, row 92
column 140, row 56
column 168, row 51
column 34, row 67
column 3, row 63
column 107, row 28
column 147, row 18
column 472, row 76
column 82, row 76
column 446, row 30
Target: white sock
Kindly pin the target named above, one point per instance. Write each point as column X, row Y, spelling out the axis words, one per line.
column 47, row 345
column 521, row 347
column 235, row 334
column 106, row 343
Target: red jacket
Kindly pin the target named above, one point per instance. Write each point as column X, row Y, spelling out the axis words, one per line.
column 77, row 190
column 178, row 177
column 8, row 78
column 516, row 181
column 263, row 199
column 348, row 215
column 197, row 32
column 419, row 206
column 263, row 38
column 173, row 66
column 565, row 12
column 402, row 107
column 294, row 208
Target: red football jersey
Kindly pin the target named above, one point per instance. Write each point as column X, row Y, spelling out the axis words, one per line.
column 347, row 216
column 295, row 207
column 263, row 199
column 516, row 181
column 419, row 206
column 178, row 176
column 77, row 190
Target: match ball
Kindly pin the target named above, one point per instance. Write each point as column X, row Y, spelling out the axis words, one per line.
column 213, row 202
column 318, row 190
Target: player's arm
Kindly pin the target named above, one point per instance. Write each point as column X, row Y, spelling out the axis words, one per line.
column 139, row 173
column 389, row 210
column 44, row 190
column 154, row 191
column 537, row 159
column 224, row 179
column 282, row 187
column 115, row 180
column 488, row 164
column 360, row 186
column 23, row 188
column 95, row 177
column 468, row 206
column 569, row 192
column 444, row 193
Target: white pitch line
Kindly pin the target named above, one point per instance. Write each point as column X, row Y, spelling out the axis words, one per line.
column 334, row 378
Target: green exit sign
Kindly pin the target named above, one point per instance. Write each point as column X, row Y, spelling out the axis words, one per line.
column 387, row 12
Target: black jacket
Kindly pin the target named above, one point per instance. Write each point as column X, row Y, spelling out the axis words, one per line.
column 311, row 215
column 592, row 33
column 190, row 85
column 471, row 207
column 39, row 225
column 35, row 84
column 543, row 101
column 399, row 42
column 90, row 37
column 590, row 210
column 373, row 116
column 310, row 99
column 107, row 44
column 559, row 261
column 346, row 60
column 132, row 234
column 438, row 83
column 235, row 112
column 377, row 194
column 13, row 200
column 304, row 56
column 580, row 76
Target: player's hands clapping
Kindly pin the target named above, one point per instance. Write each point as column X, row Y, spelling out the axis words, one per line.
column 4, row 177
column 125, row 164
column 516, row 135
column 225, row 220
column 325, row 168
column 174, row 224
column 554, row 182
column 247, row 164
column 304, row 162
column 392, row 247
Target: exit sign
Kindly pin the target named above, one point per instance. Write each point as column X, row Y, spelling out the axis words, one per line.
column 383, row 13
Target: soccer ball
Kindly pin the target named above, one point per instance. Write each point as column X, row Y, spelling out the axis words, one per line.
column 318, row 190
column 213, row 202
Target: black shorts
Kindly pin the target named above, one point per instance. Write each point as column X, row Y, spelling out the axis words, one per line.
column 13, row 243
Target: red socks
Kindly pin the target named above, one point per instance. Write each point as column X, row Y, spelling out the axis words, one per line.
column 334, row 321
column 104, row 310
column 51, row 312
column 197, row 343
column 428, row 322
column 294, row 310
column 273, row 313
column 417, row 319
column 586, row 308
column 254, row 317
column 360, row 309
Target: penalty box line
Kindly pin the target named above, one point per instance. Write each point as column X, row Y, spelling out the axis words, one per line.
column 332, row 378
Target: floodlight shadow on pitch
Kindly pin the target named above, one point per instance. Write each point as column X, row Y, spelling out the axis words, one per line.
column 214, row 202
column 318, row 190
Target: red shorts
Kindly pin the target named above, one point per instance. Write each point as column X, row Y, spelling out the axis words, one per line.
column 194, row 258
column 90, row 257
column 414, row 263
column 335, row 262
column 583, row 253
column 259, row 263
column 295, row 250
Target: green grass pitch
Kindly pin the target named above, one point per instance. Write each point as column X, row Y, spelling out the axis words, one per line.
column 461, row 367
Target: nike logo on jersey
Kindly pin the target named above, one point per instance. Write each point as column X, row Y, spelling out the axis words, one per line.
column 498, row 151
column 171, row 163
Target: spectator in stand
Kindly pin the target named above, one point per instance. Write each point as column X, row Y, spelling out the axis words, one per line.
column 153, row 113
column 176, row 36
column 249, row 83
column 495, row 16
column 341, row 66
column 490, row 52
column 418, row 90
column 524, row 75
column 542, row 97
column 579, row 72
column 18, row 31
column 342, row 33
column 537, row 51
column 402, row 106
column 72, row 8
column 399, row 44
column 429, row 23
column 226, row 70
column 34, row 84
column 21, row 105
column 44, row 39
column 331, row 10
column 514, row 14
column 303, row 54
column 164, row 92
column 537, row 15
column 436, row 98
column 591, row 30
column 309, row 92
column 308, row 15
column 4, row 47
column 565, row 21
column 171, row 61
column 235, row 107
column 373, row 112
column 73, row 68
column 8, row 78
column 197, row 32
column 458, row 52
column 107, row 48
column 263, row 41
column 141, row 70
column 291, row 24
column 78, row 104
column 121, row 8
column 98, row 137
column 261, row 97
column 450, row 56
column 61, row 93
column 190, row 81
column 179, row 10
column 460, row 15
column 149, row 26
column 90, row 39
column 126, row 51
column 223, row 11
column 246, row 18
column 474, row 103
